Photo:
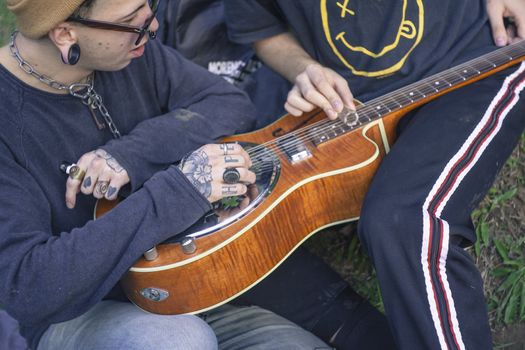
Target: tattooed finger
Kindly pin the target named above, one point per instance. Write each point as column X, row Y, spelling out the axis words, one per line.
column 111, row 162
column 112, row 192
column 233, row 190
column 87, row 182
column 234, row 159
column 101, row 188
column 227, row 148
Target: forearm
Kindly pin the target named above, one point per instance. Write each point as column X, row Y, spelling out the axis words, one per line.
column 158, row 142
column 197, row 108
column 284, row 54
column 55, row 278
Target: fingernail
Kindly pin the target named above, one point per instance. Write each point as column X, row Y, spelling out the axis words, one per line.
column 332, row 114
column 338, row 105
column 500, row 42
column 69, row 205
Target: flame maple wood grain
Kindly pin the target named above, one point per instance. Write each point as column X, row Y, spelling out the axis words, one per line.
column 326, row 188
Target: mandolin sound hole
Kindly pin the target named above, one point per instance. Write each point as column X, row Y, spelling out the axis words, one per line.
column 266, row 166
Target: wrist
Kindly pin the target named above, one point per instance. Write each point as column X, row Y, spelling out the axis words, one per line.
column 301, row 66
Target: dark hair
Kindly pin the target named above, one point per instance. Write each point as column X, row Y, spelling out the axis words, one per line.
column 84, row 9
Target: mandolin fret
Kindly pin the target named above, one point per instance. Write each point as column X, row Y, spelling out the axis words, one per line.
column 392, row 103
column 415, row 95
column 516, row 51
column 423, row 89
column 366, row 117
column 460, row 74
column 381, row 109
column 404, row 99
column 484, row 65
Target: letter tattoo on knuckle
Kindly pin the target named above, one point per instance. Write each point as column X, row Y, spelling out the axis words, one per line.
column 229, row 190
column 230, row 159
column 227, row 148
column 111, row 162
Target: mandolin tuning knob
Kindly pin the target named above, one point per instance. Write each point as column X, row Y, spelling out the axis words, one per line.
column 151, row 254
column 188, row 245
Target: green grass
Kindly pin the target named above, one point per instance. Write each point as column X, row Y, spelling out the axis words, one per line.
column 7, row 24
column 500, row 249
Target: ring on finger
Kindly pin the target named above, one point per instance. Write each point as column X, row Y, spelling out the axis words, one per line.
column 102, row 187
column 231, row 176
column 75, row 173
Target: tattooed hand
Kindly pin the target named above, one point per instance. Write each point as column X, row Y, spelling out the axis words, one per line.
column 104, row 177
column 205, row 168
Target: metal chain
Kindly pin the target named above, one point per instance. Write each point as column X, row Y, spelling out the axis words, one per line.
column 94, row 101
column 83, row 91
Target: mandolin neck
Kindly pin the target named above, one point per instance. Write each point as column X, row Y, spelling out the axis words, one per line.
column 420, row 92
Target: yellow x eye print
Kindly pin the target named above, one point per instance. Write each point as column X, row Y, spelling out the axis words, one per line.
column 345, row 9
column 409, row 29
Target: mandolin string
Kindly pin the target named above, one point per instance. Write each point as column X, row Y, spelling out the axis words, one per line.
column 400, row 92
column 450, row 77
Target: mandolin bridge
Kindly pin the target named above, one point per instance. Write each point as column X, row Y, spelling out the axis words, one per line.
column 294, row 148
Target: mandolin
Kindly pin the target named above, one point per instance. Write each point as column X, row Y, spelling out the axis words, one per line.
column 311, row 173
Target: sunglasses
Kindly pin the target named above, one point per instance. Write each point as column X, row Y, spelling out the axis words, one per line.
column 141, row 31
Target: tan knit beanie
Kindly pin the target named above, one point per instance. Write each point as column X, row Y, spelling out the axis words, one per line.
column 35, row 18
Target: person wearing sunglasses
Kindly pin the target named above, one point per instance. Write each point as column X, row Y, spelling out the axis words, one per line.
column 91, row 108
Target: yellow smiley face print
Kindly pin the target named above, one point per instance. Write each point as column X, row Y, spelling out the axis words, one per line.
column 397, row 43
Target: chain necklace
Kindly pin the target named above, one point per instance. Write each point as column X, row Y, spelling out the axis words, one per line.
column 84, row 91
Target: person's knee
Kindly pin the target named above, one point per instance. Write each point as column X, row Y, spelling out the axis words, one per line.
column 388, row 226
column 165, row 332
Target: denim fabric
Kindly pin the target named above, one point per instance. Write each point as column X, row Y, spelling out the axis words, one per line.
column 254, row 328
column 114, row 325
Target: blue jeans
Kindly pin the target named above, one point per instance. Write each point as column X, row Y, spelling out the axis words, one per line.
column 112, row 325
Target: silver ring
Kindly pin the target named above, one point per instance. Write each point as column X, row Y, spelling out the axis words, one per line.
column 231, row 176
